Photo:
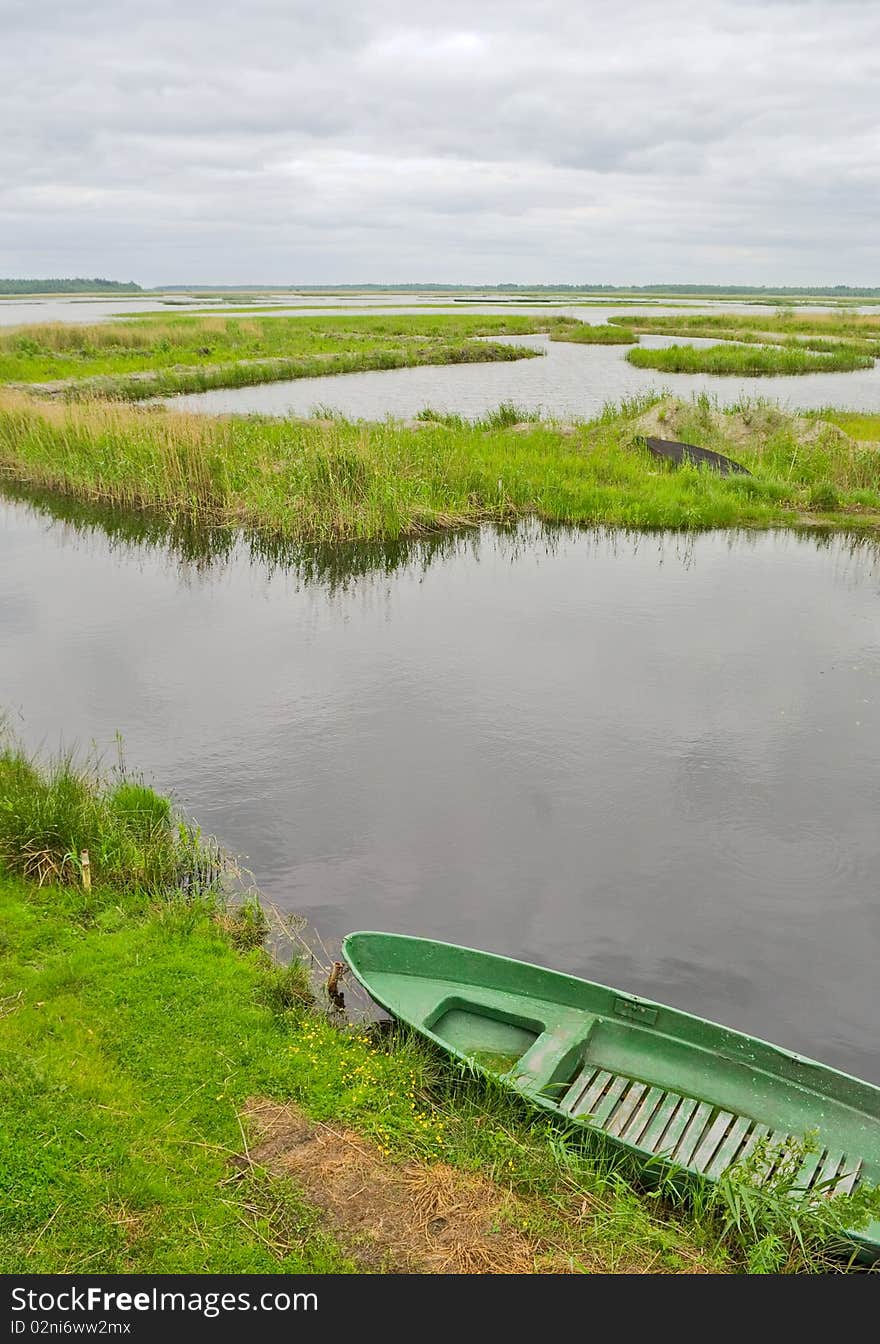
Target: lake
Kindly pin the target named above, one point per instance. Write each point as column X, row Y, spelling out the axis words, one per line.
column 646, row 759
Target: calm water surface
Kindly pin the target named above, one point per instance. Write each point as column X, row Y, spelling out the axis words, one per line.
column 570, row 381
column 81, row 308
column 647, row 760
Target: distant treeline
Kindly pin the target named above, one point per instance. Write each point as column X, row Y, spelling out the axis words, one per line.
column 770, row 291
column 842, row 291
column 76, row 286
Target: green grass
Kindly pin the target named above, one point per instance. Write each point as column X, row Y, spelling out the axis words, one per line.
column 314, row 481
column 149, row 356
column 859, row 425
column 786, row 322
column 587, row 334
column 48, row 818
column 752, row 360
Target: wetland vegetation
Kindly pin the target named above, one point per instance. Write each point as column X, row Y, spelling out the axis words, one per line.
column 587, row 334
column 751, row 360
column 151, row 356
column 324, row 480
column 787, row 342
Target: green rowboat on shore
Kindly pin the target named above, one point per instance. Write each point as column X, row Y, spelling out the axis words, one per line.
column 672, row 1089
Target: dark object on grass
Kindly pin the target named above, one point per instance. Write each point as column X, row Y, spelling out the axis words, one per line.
column 700, row 457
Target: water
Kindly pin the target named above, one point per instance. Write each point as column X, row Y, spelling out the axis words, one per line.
column 569, row 381
column 73, row 308
column 644, row 759
column 86, row 309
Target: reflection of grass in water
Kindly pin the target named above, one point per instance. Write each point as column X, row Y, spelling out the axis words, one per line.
column 202, row 548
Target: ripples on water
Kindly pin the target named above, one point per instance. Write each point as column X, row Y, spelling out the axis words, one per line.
column 647, row 759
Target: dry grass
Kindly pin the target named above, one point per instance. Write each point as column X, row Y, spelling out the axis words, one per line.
column 64, row 337
column 427, row 1218
column 400, row 1218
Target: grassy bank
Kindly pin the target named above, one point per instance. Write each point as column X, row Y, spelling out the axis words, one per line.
column 752, row 360
column 331, row 480
column 150, row 356
column 146, row 1032
column 785, row 322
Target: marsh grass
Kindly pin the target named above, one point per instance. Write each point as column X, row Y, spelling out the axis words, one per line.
column 314, row 481
column 861, row 425
column 146, row 357
column 787, row 323
column 587, row 334
column 50, row 815
column 749, row 360
column 506, row 415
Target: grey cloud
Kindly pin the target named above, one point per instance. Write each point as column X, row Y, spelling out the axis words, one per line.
column 398, row 141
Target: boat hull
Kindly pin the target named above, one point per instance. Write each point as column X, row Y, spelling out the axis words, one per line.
column 674, row 1090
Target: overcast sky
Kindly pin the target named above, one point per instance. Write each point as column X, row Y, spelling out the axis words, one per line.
column 225, row 141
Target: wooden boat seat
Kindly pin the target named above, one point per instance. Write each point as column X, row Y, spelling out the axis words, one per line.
column 694, row 1134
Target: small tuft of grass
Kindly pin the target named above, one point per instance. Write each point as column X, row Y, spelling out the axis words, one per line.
column 505, row 415
column 772, row 1223
column 587, row 333
column 286, row 988
column 448, row 418
column 823, row 495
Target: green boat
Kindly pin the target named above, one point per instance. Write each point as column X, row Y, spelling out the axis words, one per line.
column 674, row 1090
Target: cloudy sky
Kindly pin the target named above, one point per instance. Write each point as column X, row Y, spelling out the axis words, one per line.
column 218, row 141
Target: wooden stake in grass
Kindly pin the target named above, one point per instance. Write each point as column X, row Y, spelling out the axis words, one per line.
column 86, row 869
column 334, row 993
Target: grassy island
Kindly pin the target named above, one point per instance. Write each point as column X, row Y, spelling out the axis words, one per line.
column 160, row 355
column 334, row 479
column 751, row 361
